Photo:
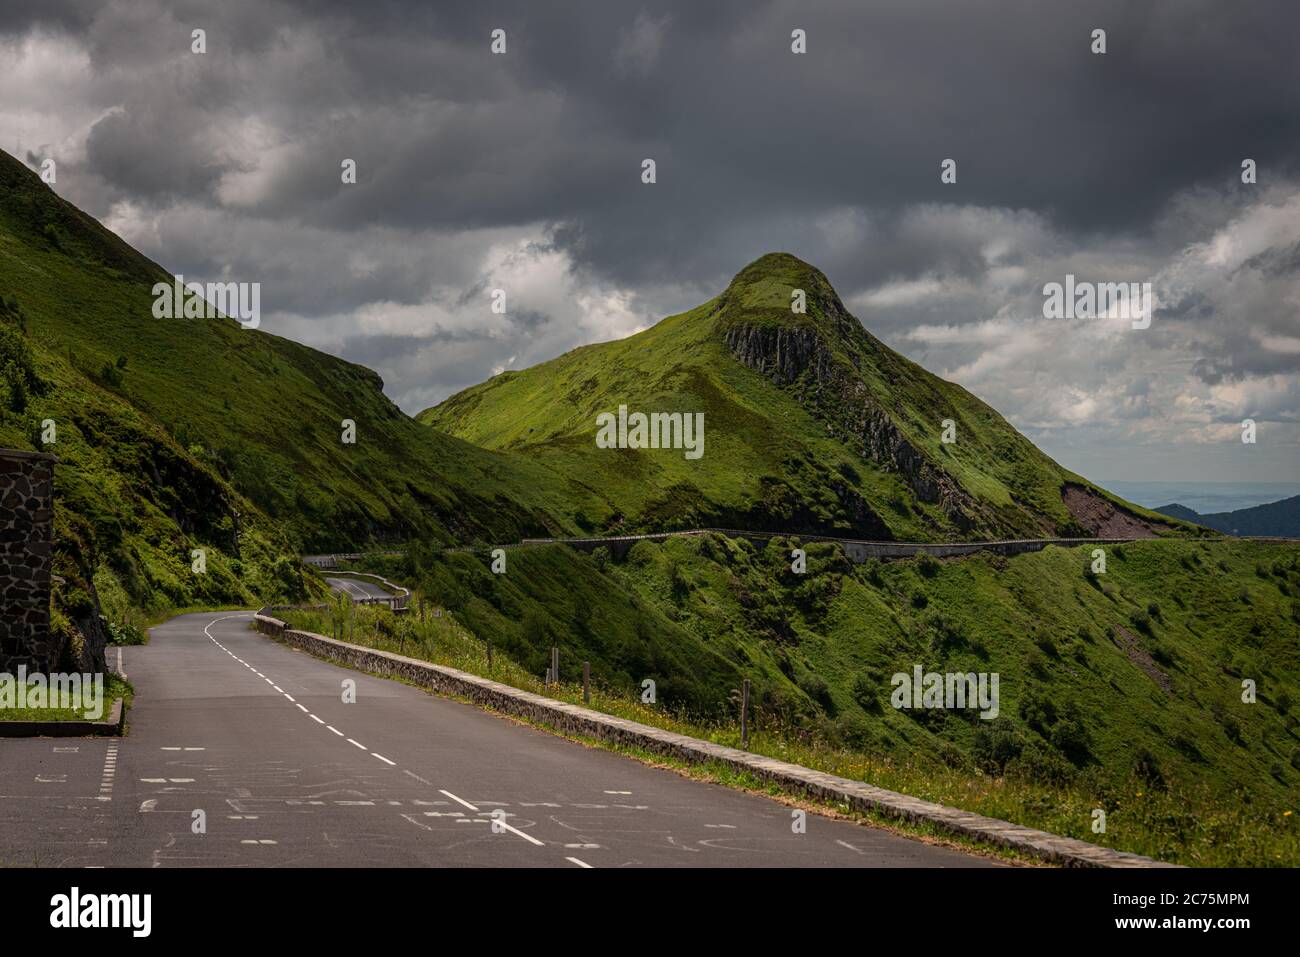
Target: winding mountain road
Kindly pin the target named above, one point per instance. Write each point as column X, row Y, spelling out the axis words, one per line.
column 258, row 737
column 357, row 590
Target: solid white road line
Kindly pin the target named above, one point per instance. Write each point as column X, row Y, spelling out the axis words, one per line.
column 458, row 800
column 582, row 864
column 514, row 830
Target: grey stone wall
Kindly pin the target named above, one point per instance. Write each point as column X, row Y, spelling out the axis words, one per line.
column 26, row 535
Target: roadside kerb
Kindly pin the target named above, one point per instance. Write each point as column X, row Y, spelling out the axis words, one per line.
column 65, row 729
column 818, row 785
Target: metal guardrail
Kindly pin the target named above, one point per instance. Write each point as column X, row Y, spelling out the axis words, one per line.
column 854, row 546
column 331, row 561
column 811, row 537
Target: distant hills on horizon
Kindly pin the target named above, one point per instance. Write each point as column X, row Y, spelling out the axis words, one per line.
column 1280, row 519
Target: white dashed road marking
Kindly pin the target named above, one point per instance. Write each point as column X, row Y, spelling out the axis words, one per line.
column 355, row 743
column 106, row 776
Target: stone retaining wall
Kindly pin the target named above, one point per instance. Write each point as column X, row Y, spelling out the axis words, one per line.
column 577, row 720
column 26, row 536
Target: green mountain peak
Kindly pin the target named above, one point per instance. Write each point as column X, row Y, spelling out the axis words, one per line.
column 813, row 425
column 783, row 290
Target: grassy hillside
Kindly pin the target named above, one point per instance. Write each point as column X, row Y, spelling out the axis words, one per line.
column 1121, row 691
column 183, row 433
column 811, row 424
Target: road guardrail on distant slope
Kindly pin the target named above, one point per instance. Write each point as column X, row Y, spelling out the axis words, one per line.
column 857, row 550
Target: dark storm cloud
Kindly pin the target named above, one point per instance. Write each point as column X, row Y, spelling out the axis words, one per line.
column 449, row 135
column 523, row 170
column 743, row 129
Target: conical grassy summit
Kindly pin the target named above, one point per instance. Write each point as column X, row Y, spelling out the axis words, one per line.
column 812, row 424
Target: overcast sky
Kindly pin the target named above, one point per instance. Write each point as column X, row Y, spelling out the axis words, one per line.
column 523, row 171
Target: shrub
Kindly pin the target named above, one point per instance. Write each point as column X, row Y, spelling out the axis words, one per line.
column 815, row 687
column 125, row 633
column 1071, row 738
column 866, row 695
column 1232, row 728
column 1146, row 768
column 995, row 747
column 1038, row 712
column 111, row 375
column 854, row 731
column 1038, row 764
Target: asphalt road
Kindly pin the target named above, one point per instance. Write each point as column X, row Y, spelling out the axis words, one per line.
column 258, row 737
column 358, row 588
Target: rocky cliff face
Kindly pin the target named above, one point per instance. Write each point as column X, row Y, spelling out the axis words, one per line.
column 799, row 358
column 781, row 354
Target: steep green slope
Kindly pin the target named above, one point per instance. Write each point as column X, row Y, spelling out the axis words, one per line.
column 1122, row 690
column 811, row 424
column 177, row 434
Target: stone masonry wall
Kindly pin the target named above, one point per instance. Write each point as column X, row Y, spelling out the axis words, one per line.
column 26, row 534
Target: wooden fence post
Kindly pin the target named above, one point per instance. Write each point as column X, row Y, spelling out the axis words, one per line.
column 744, row 714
